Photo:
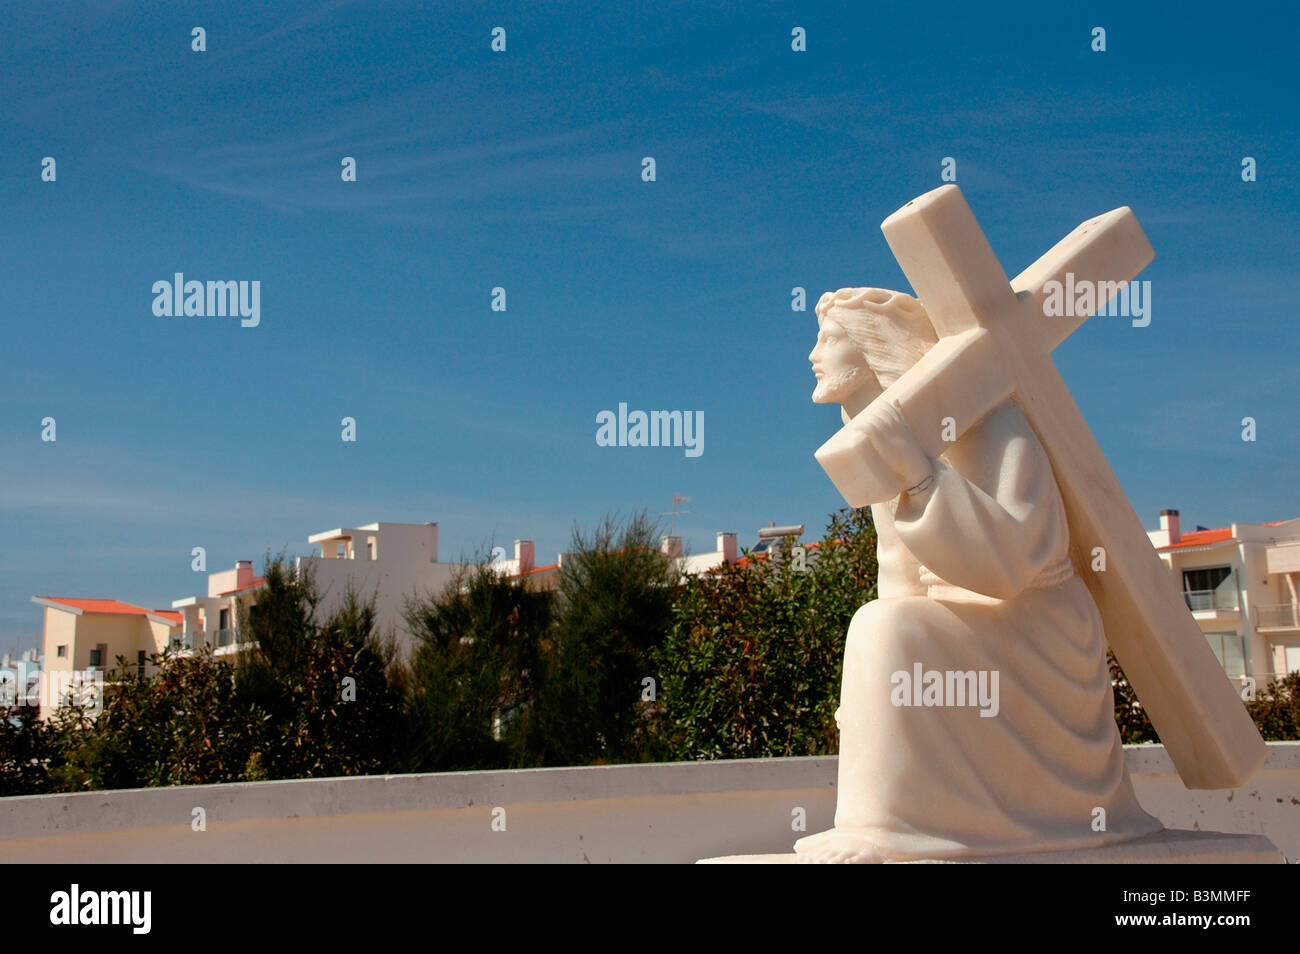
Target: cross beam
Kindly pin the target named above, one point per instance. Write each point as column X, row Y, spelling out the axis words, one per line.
column 995, row 342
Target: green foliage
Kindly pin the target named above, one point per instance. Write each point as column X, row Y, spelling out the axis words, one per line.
column 280, row 622
column 1134, row 725
column 180, row 726
column 615, row 603
column 751, row 666
column 321, row 693
column 1276, row 710
column 31, row 751
column 474, row 670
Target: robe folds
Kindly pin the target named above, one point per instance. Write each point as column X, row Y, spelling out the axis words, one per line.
column 975, row 575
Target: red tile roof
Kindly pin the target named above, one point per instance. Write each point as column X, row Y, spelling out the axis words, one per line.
column 257, row 581
column 105, row 607
column 537, row 569
column 1200, row 538
column 112, row 608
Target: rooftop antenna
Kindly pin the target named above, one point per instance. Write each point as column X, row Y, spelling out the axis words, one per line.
column 675, row 513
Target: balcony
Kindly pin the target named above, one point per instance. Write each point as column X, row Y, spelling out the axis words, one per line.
column 1278, row 616
column 1216, row 604
column 218, row 639
column 186, row 641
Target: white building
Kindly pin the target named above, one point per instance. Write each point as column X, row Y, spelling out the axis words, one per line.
column 523, row 564
column 213, row 620
column 1242, row 584
column 393, row 562
column 728, row 551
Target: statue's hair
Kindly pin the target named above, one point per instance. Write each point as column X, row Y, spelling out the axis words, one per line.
column 891, row 328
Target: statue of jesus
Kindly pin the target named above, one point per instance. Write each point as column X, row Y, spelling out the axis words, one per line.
column 977, row 595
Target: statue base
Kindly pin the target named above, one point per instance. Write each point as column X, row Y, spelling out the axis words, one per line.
column 1172, row 846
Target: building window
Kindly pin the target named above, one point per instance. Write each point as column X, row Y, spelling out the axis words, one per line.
column 1230, row 650
column 62, row 652
column 96, row 658
column 1210, row 588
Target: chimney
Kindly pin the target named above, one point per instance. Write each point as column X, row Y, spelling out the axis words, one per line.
column 727, row 544
column 671, row 546
column 243, row 573
column 1169, row 524
column 524, row 556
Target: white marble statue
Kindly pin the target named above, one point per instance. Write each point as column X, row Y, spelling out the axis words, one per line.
column 995, row 340
column 976, row 714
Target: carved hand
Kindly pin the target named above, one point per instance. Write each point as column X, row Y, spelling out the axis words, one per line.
column 885, row 428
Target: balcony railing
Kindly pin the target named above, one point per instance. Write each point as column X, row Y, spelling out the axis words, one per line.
column 1211, row 600
column 1279, row 616
column 187, row 640
column 215, row 639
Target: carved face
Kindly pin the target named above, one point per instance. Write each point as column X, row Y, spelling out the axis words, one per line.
column 839, row 365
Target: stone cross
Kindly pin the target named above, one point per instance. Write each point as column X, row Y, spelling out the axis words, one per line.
column 995, row 342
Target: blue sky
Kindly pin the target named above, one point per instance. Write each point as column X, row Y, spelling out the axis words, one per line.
column 522, row 170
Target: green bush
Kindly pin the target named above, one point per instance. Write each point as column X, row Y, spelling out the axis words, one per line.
column 1276, row 710
column 473, row 672
column 32, row 752
column 1130, row 717
column 614, row 608
column 321, row 694
column 182, row 725
column 751, row 666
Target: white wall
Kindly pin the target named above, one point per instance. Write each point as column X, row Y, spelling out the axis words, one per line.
column 405, row 566
column 676, row 812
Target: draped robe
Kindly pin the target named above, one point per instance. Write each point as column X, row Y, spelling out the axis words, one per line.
column 975, row 574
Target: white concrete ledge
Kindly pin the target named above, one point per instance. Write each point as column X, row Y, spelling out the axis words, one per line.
column 1169, row 847
column 674, row 812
